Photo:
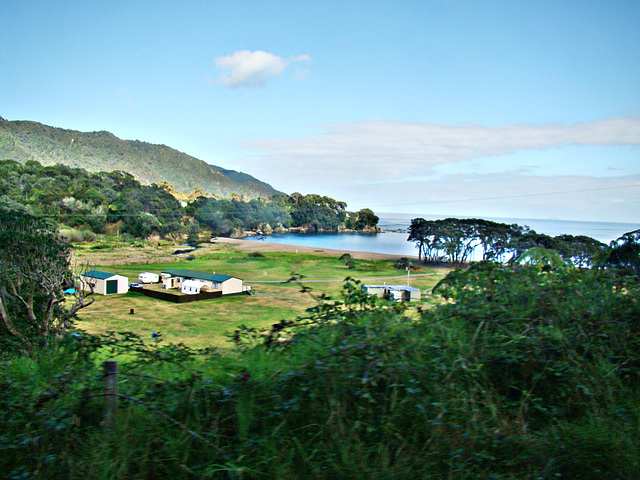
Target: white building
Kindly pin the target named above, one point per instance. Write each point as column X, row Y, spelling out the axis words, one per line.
column 400, row 293
column 192, row 287
column 104, row 283
column 191, row 282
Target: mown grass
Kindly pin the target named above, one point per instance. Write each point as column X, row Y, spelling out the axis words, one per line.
column 210, row 322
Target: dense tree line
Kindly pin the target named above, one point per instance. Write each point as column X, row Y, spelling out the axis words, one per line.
column 454, row 240
column 77, row 198
column 312, row 212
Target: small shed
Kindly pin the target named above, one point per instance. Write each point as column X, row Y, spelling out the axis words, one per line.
column 401, row 293
column 104, row 283
column 404, row 293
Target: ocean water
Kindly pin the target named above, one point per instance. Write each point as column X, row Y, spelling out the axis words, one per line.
column 393, row 239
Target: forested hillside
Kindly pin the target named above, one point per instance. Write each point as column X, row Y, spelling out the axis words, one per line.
column 88, row 201
column 115, row 202
column 102, row 151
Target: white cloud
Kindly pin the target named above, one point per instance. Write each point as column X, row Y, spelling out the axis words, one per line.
column 252, row 69
column 568, row 197
column 374, row 150
column 379, row 164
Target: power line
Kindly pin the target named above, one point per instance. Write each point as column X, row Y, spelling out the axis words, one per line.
column 506, row 197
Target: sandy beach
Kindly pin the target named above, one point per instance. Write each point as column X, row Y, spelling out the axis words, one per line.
column 163, row 254
column 255, row 246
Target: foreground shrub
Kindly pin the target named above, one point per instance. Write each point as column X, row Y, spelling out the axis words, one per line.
column 519, row 374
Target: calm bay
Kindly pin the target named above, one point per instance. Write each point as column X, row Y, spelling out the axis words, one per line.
column 393, row 238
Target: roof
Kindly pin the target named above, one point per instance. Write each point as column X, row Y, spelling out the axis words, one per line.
column 98, row 274
column 212, row 277
column 405, row 288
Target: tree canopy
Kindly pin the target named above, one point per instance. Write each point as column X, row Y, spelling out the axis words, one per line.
column 453, row 241
column 34, row 272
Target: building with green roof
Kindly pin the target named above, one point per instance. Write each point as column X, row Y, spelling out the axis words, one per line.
column 193, row 282
column 104, row 283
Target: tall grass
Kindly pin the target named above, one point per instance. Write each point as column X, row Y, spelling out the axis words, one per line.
column 519, row 375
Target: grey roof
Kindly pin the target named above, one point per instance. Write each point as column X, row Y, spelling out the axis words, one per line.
column 212, row 277
column 405, row 288
column 98, row 274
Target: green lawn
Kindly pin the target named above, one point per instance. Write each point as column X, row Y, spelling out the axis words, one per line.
column 208, row 322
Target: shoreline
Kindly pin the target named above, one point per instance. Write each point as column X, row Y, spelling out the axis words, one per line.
column 253, row 246
column 128, row 255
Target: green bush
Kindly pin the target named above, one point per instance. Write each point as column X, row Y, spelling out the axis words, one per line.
column 515, row 374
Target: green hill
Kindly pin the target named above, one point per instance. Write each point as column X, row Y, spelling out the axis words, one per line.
column 102, row 151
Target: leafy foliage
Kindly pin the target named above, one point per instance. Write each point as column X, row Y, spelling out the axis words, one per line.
column 362, row 219
column 624, row 254
column 453, row 241
column 90, row 201
column 34, row 272
column 518, row 373
column 310, row 212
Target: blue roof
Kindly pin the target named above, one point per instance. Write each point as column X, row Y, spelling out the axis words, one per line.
column 99, row 275
column 212, row 277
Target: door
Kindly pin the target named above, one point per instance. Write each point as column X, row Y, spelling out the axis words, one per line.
column 112, row 286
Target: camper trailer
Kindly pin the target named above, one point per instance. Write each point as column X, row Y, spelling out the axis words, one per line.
column 148, row 277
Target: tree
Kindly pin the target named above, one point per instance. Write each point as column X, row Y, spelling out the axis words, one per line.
column 192, row 229
column 581, row 250
column 363, row 218
column 450, row 239
column 34, row 272
column 625, row 253
column 420, row 231
column 348, row 260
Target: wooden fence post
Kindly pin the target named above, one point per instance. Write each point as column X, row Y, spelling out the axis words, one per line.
column 111, row 390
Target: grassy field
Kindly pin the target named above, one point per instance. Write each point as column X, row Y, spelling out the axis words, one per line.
column 209, row 322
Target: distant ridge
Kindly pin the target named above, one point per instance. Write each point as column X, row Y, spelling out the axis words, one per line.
column 103, row 151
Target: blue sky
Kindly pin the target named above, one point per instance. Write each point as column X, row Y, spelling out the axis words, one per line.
column 524, row 109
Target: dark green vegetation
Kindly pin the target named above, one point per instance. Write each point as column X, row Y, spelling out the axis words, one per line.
column 102, row 151
column 453, row 240
column 310, row 212
column 515, row 371
column 519, row 374
column 34, row 272
column 115, row 202
column 89, row 202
